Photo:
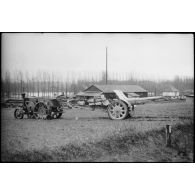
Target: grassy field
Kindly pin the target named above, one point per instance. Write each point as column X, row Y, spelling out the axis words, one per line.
column 85, row 135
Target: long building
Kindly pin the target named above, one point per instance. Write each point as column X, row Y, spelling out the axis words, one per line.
column 128, row 90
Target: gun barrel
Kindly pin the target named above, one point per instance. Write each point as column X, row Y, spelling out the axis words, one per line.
column 143, row 100
column 130, row 101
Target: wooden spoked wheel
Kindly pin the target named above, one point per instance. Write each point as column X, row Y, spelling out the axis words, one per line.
column 117, row 110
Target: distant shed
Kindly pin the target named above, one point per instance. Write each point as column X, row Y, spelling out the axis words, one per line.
column 170, row 91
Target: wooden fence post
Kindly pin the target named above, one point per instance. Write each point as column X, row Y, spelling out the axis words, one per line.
column 168, row 135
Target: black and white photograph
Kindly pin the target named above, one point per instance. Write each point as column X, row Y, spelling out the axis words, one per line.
column 97, row 97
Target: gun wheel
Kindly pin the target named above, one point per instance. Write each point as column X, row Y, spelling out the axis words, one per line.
column 117, row 110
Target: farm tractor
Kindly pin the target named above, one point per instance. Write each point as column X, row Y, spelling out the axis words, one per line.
column 118, row 108
column 39, row 109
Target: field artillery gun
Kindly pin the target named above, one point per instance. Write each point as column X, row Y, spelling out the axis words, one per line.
column 118, row 108
column 39, row 109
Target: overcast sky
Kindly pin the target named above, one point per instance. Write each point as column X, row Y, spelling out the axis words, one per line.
column 154, row 56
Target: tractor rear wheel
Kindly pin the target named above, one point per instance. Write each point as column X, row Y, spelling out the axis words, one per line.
column 42, row 112
column 117, row 110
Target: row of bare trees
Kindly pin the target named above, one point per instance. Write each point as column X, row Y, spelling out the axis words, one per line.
column 41, row 84
column 44, row 84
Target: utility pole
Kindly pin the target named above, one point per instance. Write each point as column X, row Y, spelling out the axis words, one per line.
column 106, row 66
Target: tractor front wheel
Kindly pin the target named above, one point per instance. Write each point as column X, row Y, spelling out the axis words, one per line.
column 18, row 113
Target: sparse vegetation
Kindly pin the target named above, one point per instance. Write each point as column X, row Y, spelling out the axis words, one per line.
column 133, row 146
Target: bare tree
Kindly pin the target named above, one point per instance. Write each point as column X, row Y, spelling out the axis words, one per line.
column 7, row 84
column 48, row 85
column 52, row 83
column 2, row 89
column 20, row 75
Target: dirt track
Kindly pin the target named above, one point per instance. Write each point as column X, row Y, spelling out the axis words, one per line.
column 27, row 134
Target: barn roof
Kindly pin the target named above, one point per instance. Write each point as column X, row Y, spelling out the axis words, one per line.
column 81, row 93
column 124, row 88
column 170, row 88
